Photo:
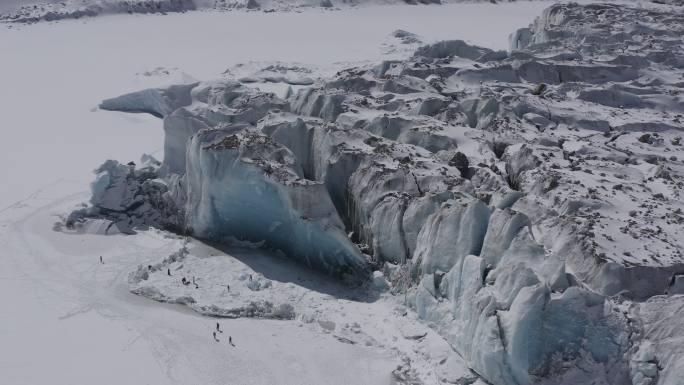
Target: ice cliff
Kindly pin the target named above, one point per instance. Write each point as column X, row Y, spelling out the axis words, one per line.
column 528, row 202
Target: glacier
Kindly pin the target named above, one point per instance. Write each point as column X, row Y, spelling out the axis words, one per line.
column 527, row 203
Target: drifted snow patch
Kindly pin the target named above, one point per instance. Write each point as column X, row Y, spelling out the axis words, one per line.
column 218, row 286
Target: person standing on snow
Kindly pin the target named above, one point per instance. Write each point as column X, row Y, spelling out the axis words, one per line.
column 101, row 261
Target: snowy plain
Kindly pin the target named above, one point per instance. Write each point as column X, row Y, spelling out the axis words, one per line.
column 70, row 320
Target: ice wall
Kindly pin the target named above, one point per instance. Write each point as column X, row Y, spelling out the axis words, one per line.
column 248, row 187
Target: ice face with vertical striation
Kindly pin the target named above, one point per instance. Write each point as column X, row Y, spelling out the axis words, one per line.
column 456, row 230
column 249, row 187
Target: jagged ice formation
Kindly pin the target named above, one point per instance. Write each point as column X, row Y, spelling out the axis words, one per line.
column 531, row 197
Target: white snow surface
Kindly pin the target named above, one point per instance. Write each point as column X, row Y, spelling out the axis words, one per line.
column 72, row 320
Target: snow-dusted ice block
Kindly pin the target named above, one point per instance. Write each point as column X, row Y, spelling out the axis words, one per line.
column 465, row 314
column 450, row 48
column 218, row 102
column 504, row 225
column 179, row 126
column 456, row 230
column 99, row 227
column 156, row 101
column 542, row 328
column 518, row 331
column 125, row 198
column 109, row 189
column 416, row 214
column 318, row 104
column 247, row 186
column 415, row 131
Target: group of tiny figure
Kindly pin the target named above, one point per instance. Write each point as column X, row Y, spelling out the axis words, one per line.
column 186, row 282
column 218, row 330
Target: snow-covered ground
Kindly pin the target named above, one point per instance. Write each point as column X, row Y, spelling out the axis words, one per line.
column 71, row 320
column 68, row 319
